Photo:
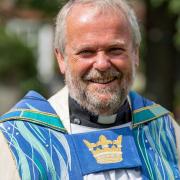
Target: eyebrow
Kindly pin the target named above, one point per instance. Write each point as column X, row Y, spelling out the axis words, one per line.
column 120, row 43
column 91, row 46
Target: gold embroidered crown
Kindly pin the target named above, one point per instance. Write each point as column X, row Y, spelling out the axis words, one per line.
column 106, row 151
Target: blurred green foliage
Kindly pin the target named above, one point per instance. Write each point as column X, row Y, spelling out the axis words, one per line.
column 173, row 7
column 49, row 7
column 17, row 64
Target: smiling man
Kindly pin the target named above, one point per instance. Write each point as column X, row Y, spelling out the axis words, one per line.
column 95, row 127
column 99, row 59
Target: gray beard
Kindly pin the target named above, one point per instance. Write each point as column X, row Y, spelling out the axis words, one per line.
column 89, row 100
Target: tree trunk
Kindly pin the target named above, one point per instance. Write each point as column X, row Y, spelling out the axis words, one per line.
column 161, row 55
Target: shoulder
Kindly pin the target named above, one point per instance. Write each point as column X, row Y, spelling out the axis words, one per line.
column 145, row 110
column 33, row 108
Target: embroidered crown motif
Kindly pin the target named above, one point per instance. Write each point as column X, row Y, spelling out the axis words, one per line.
column 106, row 151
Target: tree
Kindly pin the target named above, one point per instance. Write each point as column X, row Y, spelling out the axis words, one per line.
column 49, row 7
column 162, row 52
column 17, row 64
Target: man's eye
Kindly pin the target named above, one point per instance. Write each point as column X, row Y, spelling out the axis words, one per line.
column 116, row 51
column 86, row 53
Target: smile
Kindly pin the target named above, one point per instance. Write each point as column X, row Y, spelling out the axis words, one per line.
column 103, row 81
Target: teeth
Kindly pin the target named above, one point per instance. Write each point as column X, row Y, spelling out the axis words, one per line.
column 103, row 81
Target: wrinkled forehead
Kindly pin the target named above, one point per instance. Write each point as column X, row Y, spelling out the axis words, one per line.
column 85, row 14
column 87, row 9
column 87, row 18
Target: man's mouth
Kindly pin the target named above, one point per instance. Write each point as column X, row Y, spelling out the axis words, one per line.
column 103, row 80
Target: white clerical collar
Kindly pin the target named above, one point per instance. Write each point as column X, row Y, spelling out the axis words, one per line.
column 107, row 119
column 81, row 116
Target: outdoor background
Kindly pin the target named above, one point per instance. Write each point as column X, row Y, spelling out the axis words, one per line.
column 27, row 59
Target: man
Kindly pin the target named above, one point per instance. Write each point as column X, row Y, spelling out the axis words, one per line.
column 94, row 128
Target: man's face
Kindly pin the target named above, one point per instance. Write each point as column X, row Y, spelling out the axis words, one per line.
column 99, row 60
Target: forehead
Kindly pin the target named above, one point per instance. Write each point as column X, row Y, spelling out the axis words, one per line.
column 88, row 21
column 86, row 12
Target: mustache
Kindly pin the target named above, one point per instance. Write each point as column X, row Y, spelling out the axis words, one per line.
column 95, row 74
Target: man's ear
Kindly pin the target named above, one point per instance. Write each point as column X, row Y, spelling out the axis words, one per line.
column 60, row 60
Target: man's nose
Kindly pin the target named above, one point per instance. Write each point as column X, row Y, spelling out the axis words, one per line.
column 102, row 62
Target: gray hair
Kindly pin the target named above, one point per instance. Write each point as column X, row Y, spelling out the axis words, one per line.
column 118, row 5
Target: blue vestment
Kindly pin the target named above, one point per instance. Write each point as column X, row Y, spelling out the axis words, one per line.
column 43, row 149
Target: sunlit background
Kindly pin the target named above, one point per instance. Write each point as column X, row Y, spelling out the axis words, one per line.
column 27, row 58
